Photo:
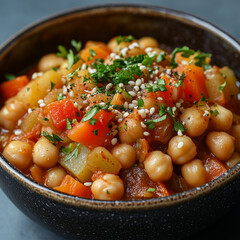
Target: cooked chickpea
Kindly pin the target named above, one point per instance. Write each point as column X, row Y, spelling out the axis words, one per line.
column 130, row 130
column 194, row 173
column 55, row 176
column 195, row 121
column 11, row 113
column 126, row 155
column 221, row 144
column 235, row 158
column 221, row 118
column 108, row 187
column 48, row 61
column 181, row 149
column 146, row 42
column 19, row 154
column 235, row 132
column 158, row 166
column 45, row 154
column 112, row 44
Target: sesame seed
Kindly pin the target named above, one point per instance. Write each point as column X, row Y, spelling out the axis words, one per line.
column 133, row 45
column 168, row 71
column 75, row 104
column 114, row 141
column 71, row 94
column 125, row 114
column 138, row 82
column 131, row 106
column 179, row 133
column 85, row 101
column 159, row 98
column 143, row 125
column 142, row 68
column 142, row 113
column 120, row 120
column 146, row 110
column 152, row 110
column 136, row 88
column 84, row 66
column 180, row 144
column 124, row 51
column 29, row 110
column 17, row 131
column 133, row 94
column 88, row 184
column 149, row 49
column 146, row 133
column 135, row 102
column 19, row 122
column 121, row 85
column 125, row 105
column 40, row 101
column 42, row 104
column 117, row 57
column 109, row 86
column 143, row 86
column 112, row 55
column 94, row 90
column 178, row 104
column 131, row 83
column 91, row 70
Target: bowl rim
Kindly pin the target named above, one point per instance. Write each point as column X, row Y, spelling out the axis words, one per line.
column 123, row 205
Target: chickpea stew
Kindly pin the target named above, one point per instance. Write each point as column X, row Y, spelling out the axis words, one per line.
column 123, row 120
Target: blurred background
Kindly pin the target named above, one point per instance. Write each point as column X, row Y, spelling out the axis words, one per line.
column 16, row 14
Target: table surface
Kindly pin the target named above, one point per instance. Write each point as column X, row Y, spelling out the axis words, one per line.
column 15, row 14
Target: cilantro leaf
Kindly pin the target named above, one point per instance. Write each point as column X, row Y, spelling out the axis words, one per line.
column 151, row 190
column 120, row 39
column 178, row 126
column 9, row 76
column 201, row 59
column 161, row 57
column 147, row 61
column 93, row 121
column 69, row 124
column 140, row 103
column 162, row 118
column 52, row 85
column 76, row 45
column 222, row 87
column 52, row 138
column 62, row 52
column 91, row 113
column 73, row 154
column 92, row 53
column 95, row 132
column 67, row 149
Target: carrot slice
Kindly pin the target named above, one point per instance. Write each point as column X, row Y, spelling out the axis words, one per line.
column 73, row 187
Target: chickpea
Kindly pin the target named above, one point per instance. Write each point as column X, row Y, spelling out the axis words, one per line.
column 235, row 158
column 221, row 144
column 126, row 155
column 11, row 113
column 19, row 154
column 108, row 187
column 223, row 119
column 48, row 61
column 194, row 173
column 158, row 166
column 146, row 42
column 112, row 44
column 45, row 154
column 55, row 176
column 195, row 121
column 181, row 149
column 130, row 130
column 235, row 132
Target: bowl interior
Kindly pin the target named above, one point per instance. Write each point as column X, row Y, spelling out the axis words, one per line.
column 171, row 28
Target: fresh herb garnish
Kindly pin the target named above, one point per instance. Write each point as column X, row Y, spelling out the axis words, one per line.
column 73, row 154
column 125, row 127
column 76, row 45
column 95, row 132
column 151, row 189
column 60, row 96
column 83, row 96
column 222, row 87
column 92, row 53
column 69, row 124
column 160, row 86
column 161, row 57
column 203, row 98
column 62, row 52
column 215, row 112
column 223, row 75
column 52, row 85
column 9, row 76
column 91, row 113
column 140, row 103
column 201, row 59
column 93, row 121
column 147, row 61
column 45, row 119
column 186, row 52
column 107, row 191
column 67, row 149
column 52, row 138
column 138, row 144
column 162, row 118
column 179, row 83
column 178, row 126
column 120, row 39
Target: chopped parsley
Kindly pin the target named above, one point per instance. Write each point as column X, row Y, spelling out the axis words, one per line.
column 76, row 45
column 214, row 113
column 186, row 52
column 83, row 96
column 67, row 149
column 93, row 121
column 9, row 76
column 178, row 126
column 52, row 138
column 69, row 124
column 161, row 57
column 120, row 39
column 107, row 191
column 162, row 118
column 62, row 52
column 140, row 103
column 92, row 53
column 72, row 58
column 138, row 144
column 151, row 190
column 60, row 96
column 73, row 154
column 223, row 75
column 147, row 61
column 95, row 132
column 160, row 86
column 91, row 113
column 125, row 127
column 179, row 83
column 201, row 59
column 222, row 87
column 45, row 119
column 203, row 98
column 52, row 85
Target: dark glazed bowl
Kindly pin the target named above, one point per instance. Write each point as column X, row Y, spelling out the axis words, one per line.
column 170, row 217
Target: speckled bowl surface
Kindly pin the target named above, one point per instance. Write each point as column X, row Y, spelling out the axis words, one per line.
column 172, row 217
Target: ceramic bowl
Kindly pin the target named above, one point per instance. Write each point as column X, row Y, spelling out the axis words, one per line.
column 170, row 217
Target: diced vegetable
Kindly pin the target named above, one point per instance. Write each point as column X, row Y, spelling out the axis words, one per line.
column 76, row 163
column 38, row 88
column 142, row 148
column 93, row 135
column 194, row 82
column 118, row 99
column 60, row 111
column 10, row 88
column 73, row 187
column 100, row 159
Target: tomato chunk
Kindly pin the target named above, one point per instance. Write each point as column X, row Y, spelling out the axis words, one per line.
column 95, row 135
column 9, row 89
column 59, row 111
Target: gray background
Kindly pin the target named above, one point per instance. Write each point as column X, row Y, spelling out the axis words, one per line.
column 16, row 14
